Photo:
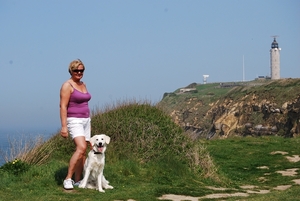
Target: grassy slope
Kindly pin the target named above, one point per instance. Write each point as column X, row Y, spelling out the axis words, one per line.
column 150, row 156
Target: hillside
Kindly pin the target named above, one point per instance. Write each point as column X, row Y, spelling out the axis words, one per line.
column 219, row 110
column 151, row 158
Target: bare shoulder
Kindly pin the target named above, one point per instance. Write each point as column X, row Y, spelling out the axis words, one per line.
column 66, row 86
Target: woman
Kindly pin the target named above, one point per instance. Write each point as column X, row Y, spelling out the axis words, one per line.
column 75, row 120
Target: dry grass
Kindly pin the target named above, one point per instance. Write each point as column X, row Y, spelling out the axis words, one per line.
column 33, row 151
column 200, row 159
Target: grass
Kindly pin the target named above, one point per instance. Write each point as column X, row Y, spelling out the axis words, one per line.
column 238, row 158
column 149, row 156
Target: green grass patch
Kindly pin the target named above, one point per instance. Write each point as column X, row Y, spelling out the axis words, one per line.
column 240, row 159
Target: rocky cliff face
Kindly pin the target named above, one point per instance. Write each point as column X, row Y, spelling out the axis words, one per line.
column 270, row 108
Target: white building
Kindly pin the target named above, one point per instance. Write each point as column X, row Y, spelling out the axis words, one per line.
column 275, row 60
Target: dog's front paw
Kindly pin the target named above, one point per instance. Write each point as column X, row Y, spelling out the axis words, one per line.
column 81, row 185
column 109, row 187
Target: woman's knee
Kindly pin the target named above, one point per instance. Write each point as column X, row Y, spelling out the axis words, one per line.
column 81, row 145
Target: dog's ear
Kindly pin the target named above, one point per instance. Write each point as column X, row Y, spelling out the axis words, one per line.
column 107, row 139
column 92, row 141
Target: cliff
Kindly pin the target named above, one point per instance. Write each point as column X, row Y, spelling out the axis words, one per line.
column 220, row 110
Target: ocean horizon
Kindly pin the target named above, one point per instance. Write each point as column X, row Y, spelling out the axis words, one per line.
column 18, row 138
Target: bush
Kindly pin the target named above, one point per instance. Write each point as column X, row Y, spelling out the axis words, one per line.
column 140, row 130
column 144, row 133
column 15, row 167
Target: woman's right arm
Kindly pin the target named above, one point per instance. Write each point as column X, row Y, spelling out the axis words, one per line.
column 65, row 93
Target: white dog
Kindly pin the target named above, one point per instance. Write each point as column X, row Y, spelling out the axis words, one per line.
column 94, row 165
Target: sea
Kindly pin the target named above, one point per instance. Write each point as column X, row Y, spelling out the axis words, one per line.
column 9, row 138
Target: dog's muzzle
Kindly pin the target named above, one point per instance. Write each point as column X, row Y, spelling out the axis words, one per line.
column 99, row 148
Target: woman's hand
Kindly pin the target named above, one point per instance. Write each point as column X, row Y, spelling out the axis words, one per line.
column 64, row 132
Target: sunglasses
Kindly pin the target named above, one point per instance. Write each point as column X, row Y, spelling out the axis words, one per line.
column 77, row 71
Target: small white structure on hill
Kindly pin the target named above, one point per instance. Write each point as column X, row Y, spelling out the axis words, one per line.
column 184, row 90
column 205, row 78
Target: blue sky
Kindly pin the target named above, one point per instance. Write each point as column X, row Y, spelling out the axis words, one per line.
column 134, row 49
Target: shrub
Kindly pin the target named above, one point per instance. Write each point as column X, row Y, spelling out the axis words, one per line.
column 145, row 133
column 15, row 167
column 140, row 130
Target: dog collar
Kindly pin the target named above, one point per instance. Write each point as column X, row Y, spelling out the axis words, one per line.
column 97, row 152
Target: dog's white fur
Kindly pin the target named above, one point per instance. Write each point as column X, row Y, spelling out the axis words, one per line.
column 94, row 165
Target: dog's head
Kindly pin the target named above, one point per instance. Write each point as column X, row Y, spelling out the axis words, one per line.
column 99, row 142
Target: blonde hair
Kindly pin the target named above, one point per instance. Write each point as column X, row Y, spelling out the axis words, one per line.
column 74, row 65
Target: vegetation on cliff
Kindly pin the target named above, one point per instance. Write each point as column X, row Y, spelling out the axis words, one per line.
column 259, row 107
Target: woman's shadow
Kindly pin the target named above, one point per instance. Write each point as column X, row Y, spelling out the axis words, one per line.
column 60, row 175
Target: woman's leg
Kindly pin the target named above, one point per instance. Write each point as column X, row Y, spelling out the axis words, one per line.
column 76, row 161
column 79, row 166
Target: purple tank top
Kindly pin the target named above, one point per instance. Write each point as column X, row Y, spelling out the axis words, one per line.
column 78, row 104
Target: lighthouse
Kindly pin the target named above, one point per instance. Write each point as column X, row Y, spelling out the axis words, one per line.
column 275, row 60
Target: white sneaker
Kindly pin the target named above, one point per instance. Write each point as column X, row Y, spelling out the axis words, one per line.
column 68, row 184
column 77, row 183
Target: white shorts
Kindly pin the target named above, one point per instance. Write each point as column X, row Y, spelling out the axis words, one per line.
column 79, row 127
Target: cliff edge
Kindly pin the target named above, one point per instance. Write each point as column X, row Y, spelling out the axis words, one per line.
column 220, row 110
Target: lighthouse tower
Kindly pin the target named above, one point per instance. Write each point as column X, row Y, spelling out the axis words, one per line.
column 275, row 60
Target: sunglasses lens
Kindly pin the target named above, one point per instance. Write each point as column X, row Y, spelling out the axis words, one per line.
column 76, row 71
